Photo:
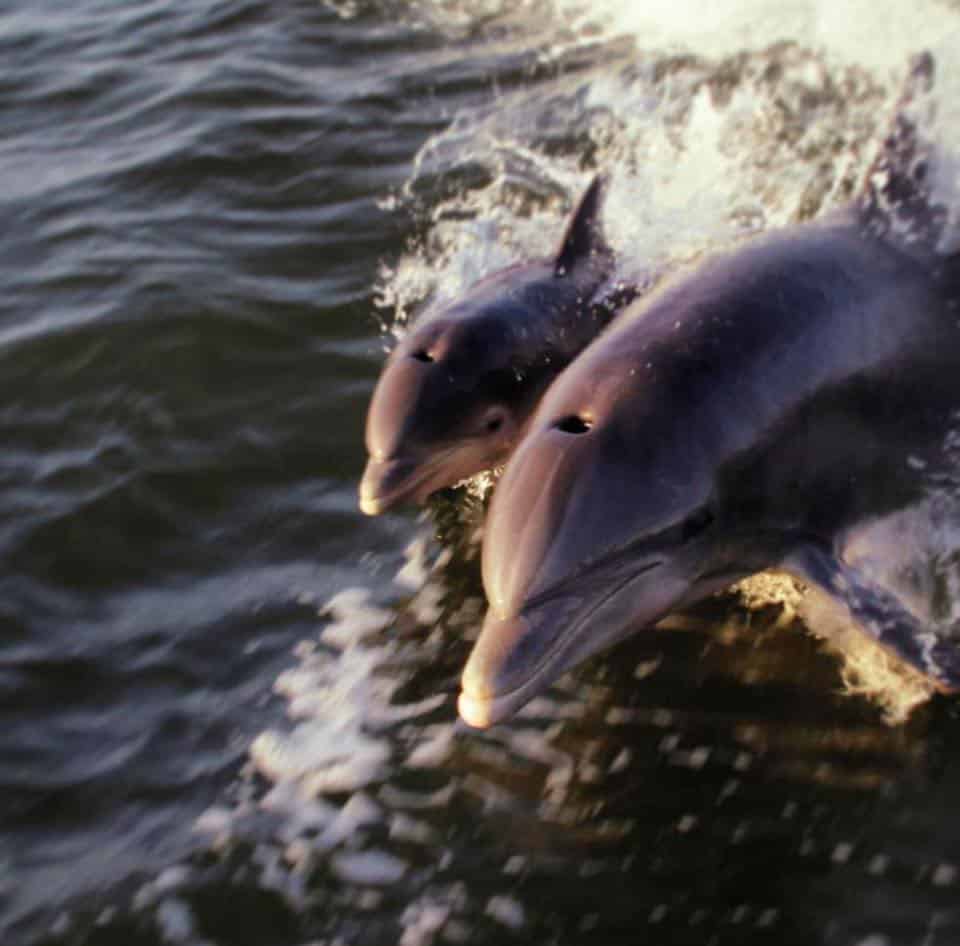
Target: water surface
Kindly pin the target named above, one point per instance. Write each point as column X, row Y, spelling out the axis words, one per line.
column 228, row 698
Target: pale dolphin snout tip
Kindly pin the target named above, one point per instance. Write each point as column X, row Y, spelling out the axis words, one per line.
column 385, row 483
column 369, row 494
column 370, row 505
column 474, row 711
column 492, row 682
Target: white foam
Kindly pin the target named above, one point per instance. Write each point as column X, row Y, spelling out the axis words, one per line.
column 691, row 167
column 322, row 758
column 422, row 921
column 369, row 868
column 353, row 617
column 175, row 920
column 357, row 812
column 339, row 739
column 300, row 812
column 876, row 34
column 944, row 875
column 507, row 911
column 167, row 881
column 689, row 171
column 405, row 828
column 415, row 571
column 943, row 132
column 332, row 748
column 433, row 749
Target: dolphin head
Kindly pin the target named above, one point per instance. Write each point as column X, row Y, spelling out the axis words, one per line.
column 457, row 390
column 449, row 403
column 604, row 520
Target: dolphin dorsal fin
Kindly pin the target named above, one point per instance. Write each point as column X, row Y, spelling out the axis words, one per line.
column 584, row 236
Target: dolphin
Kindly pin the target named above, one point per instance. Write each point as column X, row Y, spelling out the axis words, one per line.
column 752, row 414
column 457, row 390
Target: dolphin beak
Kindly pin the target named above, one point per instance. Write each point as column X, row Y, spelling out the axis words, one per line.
column 479, row 704
column 414, row 476
column 386, row 483
column 519, row 656
column 514, row 659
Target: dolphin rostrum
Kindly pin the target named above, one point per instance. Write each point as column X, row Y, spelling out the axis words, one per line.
column 750, row 415
column 458, row 389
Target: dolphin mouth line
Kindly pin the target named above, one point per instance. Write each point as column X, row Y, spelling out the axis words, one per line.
column 380, row 502
column 495, row 706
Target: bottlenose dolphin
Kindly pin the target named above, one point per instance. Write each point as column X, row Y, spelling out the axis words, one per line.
column 750, row 415
column 458, row 389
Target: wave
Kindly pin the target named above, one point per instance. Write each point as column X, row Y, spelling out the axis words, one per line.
column 363, row 810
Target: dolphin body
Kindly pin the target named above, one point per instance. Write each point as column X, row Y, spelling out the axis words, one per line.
column 751, row 415
column 458, row 389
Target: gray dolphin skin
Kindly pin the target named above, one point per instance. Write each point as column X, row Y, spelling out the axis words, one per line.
column 747, row 416
column 458, row 389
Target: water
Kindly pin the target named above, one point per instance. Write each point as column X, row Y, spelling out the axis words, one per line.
column 226, row 719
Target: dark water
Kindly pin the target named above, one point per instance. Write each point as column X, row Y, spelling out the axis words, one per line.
column 197, row 203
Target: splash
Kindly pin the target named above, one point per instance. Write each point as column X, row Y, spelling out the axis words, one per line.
column 712, row 122
column 876, row 34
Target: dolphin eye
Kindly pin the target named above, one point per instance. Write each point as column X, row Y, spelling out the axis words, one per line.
column 422, row 355
column 699, row 522
column 493, row 420
column 573, row 424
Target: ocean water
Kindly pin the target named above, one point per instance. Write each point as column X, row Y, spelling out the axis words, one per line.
column 228, row 699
